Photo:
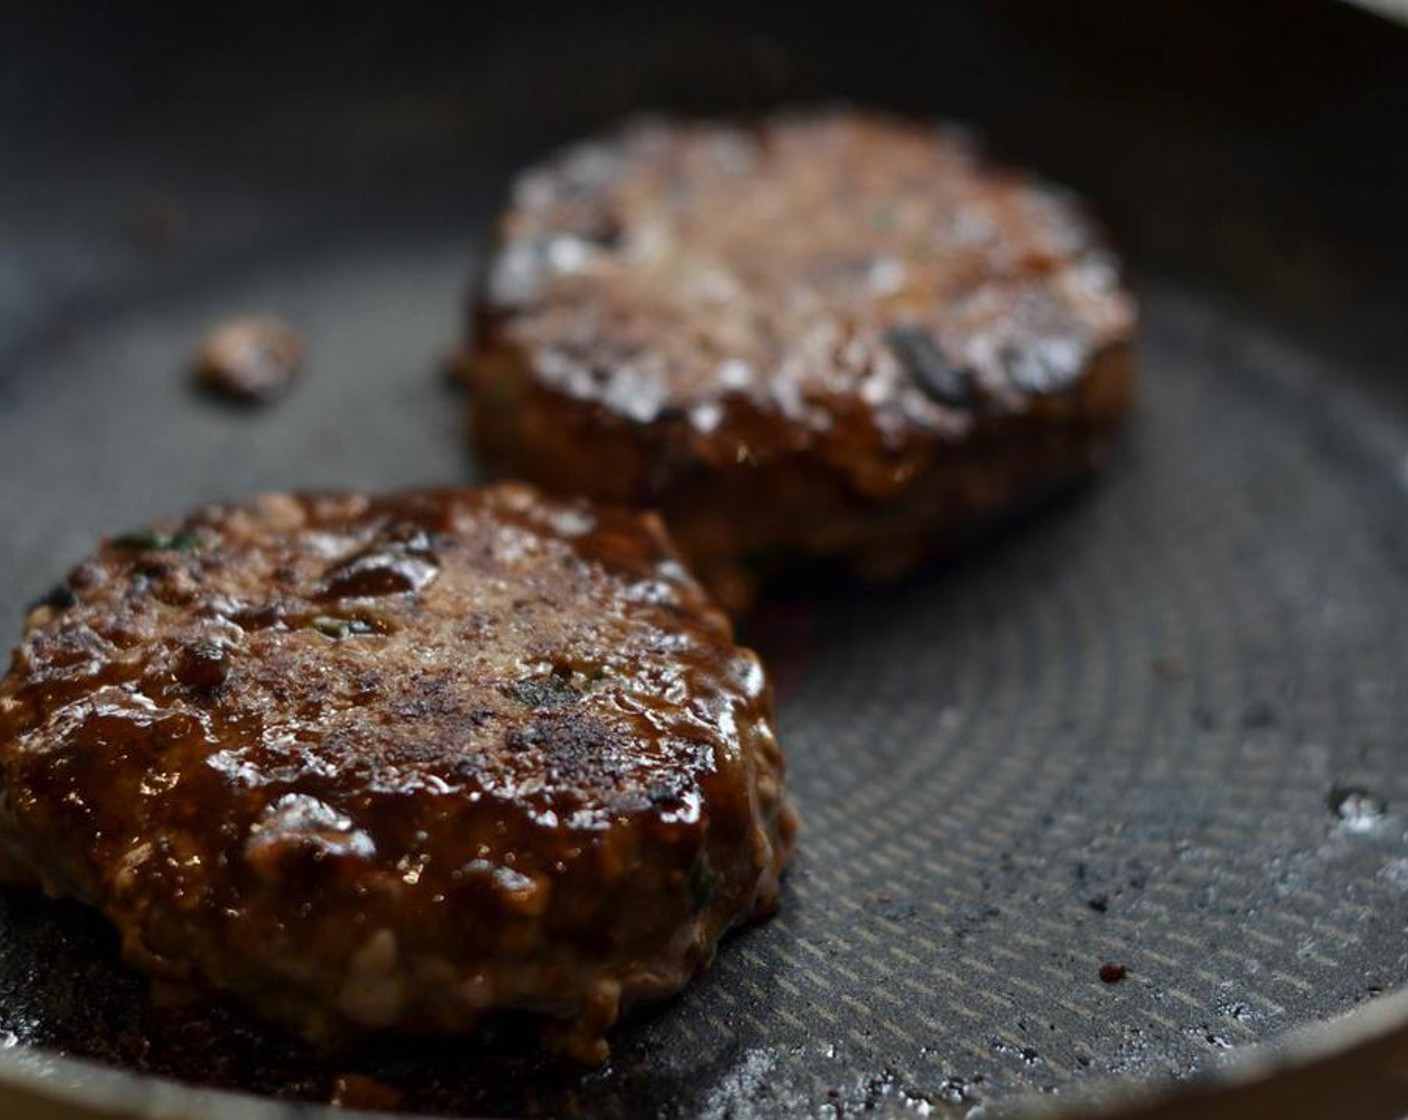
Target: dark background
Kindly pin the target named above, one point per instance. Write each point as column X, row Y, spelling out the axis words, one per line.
column 265, row 126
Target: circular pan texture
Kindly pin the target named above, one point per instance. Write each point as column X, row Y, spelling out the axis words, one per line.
column 830, row 336
column 395, row 763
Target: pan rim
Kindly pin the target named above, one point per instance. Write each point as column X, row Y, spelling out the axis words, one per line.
column 97, row 1090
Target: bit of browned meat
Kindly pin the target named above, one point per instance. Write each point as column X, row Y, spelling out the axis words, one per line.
column 397, row 763
column 251, row 359
column 831, row 336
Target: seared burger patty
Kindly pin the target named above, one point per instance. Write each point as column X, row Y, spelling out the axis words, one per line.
column 396, row 763
column 832, row 336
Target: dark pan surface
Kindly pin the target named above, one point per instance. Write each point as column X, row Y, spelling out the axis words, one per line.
column 1160, row 726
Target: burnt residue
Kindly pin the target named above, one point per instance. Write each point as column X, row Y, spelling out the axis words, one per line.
column 941, row 380
column 1258, row 716
column 551, row 691
column 60, row 597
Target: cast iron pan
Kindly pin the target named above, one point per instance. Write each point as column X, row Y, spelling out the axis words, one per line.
column 1162, row 726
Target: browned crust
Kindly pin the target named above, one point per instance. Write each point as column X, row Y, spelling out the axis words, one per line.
column 712, row 320
column 397, row 763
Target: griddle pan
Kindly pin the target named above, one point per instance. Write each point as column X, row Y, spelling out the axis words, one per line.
column 1163, row 726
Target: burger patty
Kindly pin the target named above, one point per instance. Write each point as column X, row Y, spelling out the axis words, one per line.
column 398, row 762
column 832, row 336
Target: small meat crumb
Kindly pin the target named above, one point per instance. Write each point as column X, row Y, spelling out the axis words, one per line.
column 1113, row 973
column 202, row 666
column 356, row 1091
column 252, row 358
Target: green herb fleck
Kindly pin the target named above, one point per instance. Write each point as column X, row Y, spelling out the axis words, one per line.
column 883, row 217
column 339, row 628
column 702, row 884
column 154, row 540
